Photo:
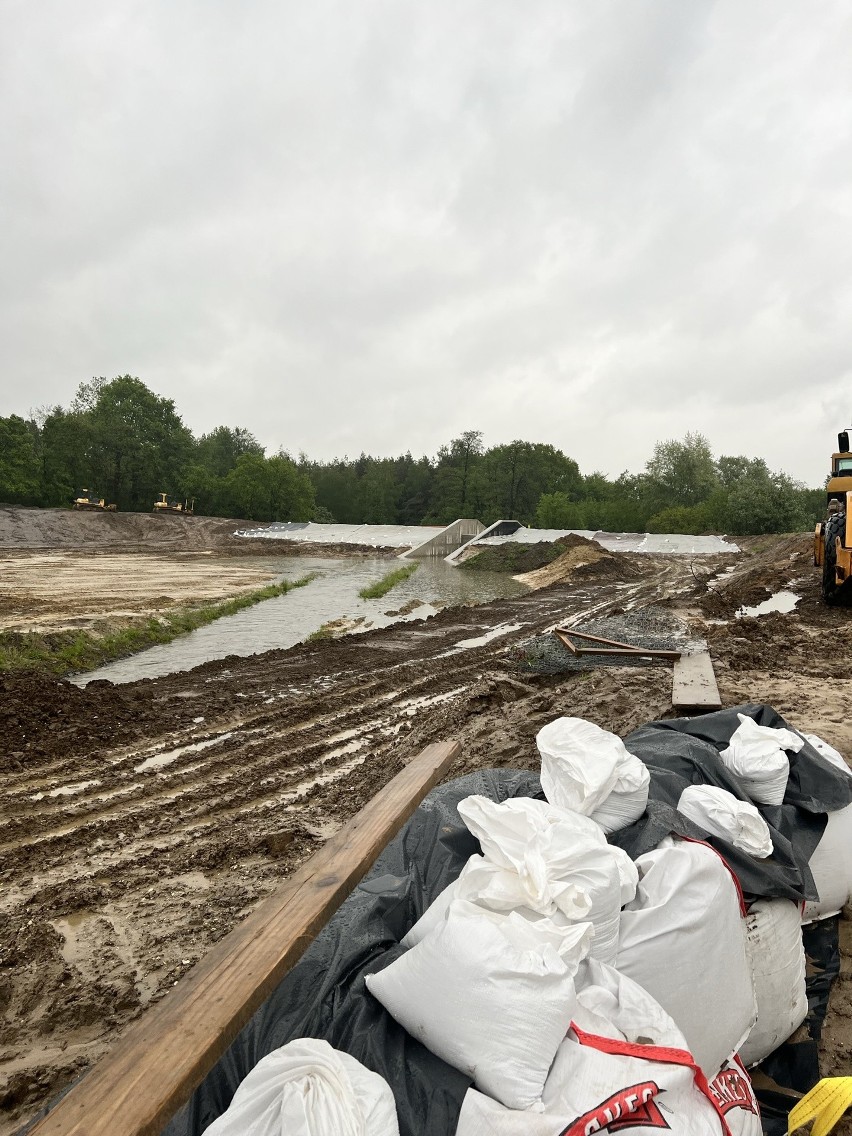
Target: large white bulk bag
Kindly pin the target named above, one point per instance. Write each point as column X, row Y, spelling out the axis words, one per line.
column 683, row 939
column 719, row 813
column 831, row 867
column 756, row 756
column 306, row 1088
column 624, row 1064
column 777, row 957
column 492, row 995
column 590, row 770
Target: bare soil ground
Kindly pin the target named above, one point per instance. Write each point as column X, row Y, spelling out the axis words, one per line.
column 143, row 821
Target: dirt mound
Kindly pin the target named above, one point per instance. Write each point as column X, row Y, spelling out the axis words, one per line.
column 580, row 553
column 43, row 718
column 519, row 558
column 65, row 528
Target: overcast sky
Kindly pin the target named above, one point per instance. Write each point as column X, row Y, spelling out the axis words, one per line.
column 372, row 224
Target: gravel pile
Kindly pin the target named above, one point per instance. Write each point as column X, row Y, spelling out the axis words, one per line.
column 652, row 628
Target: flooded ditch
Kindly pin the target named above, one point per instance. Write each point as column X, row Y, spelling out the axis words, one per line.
column 332, row 596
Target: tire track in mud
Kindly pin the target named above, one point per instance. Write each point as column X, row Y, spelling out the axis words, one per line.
column 129, row 853
column 279, row 755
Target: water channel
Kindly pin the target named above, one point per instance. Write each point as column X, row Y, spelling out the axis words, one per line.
column 333, row 594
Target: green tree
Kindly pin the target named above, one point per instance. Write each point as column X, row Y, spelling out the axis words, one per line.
column 19, row 463
column 219, row 450
column 681, row 473
column 558, row 511
column 269, row 489
column 138, row 445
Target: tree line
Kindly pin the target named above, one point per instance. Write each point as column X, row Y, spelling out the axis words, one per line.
column 121, row 440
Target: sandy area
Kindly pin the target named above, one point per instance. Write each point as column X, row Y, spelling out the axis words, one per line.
column 54, row 591
column 142, row 822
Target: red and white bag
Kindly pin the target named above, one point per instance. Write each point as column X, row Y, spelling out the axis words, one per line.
column 628, row 1068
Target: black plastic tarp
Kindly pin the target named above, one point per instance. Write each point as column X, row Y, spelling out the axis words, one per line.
column 324, row 995
column 685, row 751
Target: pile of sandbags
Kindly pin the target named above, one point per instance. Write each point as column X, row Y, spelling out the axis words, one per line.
column 580, row 989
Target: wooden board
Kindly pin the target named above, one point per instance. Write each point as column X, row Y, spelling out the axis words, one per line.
column 694, row 683
column 135, row 1089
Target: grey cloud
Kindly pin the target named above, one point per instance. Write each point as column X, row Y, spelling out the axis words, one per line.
column 373, row 226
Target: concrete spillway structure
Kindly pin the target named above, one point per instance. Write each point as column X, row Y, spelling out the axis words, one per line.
column 454, row 536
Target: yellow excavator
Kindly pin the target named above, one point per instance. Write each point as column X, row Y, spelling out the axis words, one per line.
column 833, row 536
column 167, row 504
column 89, row 500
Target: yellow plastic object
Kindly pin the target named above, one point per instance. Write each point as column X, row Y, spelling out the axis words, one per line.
column 824, row 1104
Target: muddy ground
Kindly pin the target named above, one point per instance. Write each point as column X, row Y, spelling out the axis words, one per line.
column 143, row 821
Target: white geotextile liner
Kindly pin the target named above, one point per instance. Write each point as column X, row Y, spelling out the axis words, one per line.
column 720, row 813
column 590, row 771
column 623, row 1058
column 683, row 939
column 756, row 755
column 540, row 860
column 306, row 1088
column 777, row 958
column 492, row 995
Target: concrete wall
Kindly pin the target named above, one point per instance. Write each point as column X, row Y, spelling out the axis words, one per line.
column 448, row 540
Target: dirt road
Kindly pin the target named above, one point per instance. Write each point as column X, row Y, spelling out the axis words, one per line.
column 143, row 821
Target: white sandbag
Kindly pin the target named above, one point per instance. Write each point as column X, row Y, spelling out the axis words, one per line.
column 720, row 813
column 756, row 756
column 306, row 1088
column 832, row 756
column 776, row 955
column 831, row 867
column 590, row 770
column 543, row 844
column 540, row 860
column 597, row 880
column 492, row 995
column 623, row 1064
column 683, row 939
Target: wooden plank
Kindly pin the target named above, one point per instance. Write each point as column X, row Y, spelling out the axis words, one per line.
column 163, row 1056
column 694, row 683
column 598, row 639
column 563, row 634
column 632, row 652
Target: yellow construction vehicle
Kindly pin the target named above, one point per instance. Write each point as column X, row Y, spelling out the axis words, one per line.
column 89, row 500
column 833, row 536
column 167, row 504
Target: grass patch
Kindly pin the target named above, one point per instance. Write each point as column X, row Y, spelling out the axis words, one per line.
column 383, row 586
column 69, row 652
column 514, row 557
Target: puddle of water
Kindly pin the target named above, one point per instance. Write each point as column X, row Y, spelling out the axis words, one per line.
column 481, row 640
column 411, row 705
column 195, row 881
column 783, row 601
column 160, row 760
column 65, row 790
column 287, row 620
